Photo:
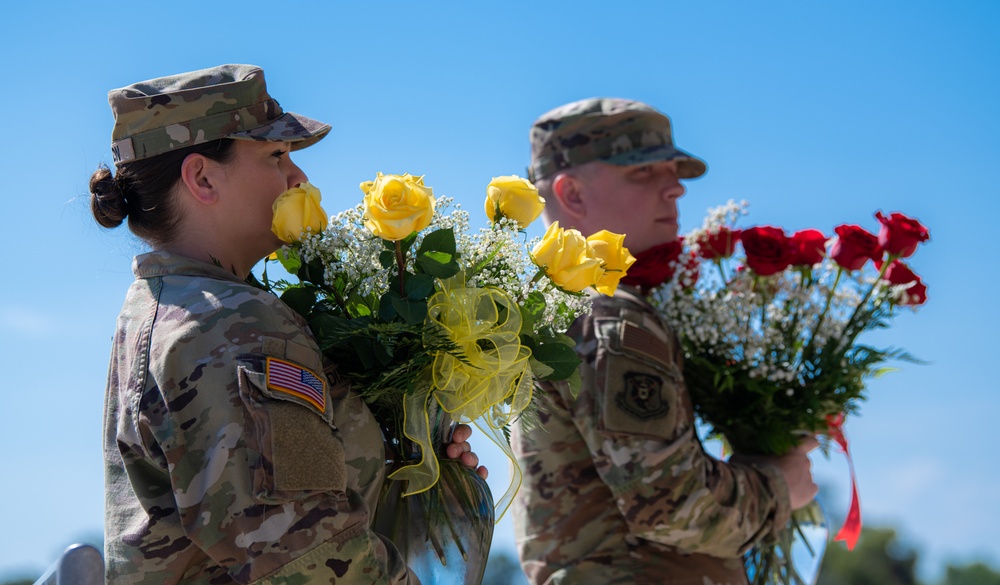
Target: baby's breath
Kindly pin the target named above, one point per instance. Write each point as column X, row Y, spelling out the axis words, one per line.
column 786, row 338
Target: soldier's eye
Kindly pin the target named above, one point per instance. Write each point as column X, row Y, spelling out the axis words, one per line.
column 642, row 173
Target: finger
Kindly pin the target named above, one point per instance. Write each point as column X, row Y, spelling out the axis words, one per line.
column 483, row 472
column 456, row 450
column 470, row 459
column 808, row 444
column 461, row 434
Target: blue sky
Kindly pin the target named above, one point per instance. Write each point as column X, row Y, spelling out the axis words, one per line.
column 818, row 113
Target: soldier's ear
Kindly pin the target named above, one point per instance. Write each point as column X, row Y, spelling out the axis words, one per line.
column 199, row 175
column 566, row 189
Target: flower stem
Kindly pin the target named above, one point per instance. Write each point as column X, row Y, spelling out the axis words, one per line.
column 534, row 280
column 806, row 353
column 339, row 298
column 878, row 279
column 401, row 267
column 722, row 272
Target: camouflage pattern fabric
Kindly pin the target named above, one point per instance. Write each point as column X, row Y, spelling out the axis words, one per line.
column 618, row 488
column 229, row 101
column 615, row 131
column 216, row 470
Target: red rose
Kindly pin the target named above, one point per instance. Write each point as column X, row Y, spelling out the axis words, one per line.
column 767, row 249
column 720, row 244
column 900, row 235
column 653, row 267
column 807, row 247
column 898, row 273
column 915, row 295
column 854, row 246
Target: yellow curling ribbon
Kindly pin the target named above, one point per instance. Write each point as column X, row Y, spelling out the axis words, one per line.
column 488, row 384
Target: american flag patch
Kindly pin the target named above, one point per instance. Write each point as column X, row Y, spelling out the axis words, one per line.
column 296, row 381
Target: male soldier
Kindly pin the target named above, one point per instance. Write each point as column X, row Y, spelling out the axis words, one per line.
column 618, row 488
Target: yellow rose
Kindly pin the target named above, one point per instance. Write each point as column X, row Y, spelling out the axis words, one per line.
column 297, row 210
column 615, row 259
column 397, row 205
column 567, row 259
column 515, row 198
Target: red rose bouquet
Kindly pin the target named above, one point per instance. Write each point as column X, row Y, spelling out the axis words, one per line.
column 771, row 335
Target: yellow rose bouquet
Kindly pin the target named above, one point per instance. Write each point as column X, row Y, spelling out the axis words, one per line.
column 435, row 322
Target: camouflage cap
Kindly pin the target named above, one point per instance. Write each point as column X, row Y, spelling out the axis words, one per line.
column 229, row 101
column 616, row 131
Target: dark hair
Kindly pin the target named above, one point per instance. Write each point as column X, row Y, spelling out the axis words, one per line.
column 140, row 191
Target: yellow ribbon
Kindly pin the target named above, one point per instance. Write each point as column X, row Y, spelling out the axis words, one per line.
column 489, row 383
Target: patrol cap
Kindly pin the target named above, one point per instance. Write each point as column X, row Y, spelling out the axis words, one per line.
column 616, row 131
column 229, row 101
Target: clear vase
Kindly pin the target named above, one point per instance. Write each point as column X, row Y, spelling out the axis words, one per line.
column 444, row 533
column 794, row 556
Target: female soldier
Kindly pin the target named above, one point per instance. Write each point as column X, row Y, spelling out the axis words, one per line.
column 231, row 453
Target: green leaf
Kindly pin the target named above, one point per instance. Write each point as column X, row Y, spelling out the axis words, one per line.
column 289, row 259
column 386, row 305
column 413, row 312
column 883, row 371
column 406, row 243
column 532, row 309
column 438, row 264
column 300, row 299
column 329, row 329
column 253, row 281
column 535, row 303
column 365, row 351
column 561, row 358
column 387, row 258
column 312, row 271
column 574, row 382
column 437, row 254
column 442, row 240
column 419, row 287
column 540, row 370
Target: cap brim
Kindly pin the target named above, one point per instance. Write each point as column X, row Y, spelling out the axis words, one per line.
column 289, row 127
column 688, row 166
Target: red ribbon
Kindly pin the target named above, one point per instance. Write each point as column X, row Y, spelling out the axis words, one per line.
column 851, row 529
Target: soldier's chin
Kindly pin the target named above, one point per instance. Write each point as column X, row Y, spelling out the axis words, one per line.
column 667, row 234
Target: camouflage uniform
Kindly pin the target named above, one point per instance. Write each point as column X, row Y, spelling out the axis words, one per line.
column 213, row 473
column 618, row 488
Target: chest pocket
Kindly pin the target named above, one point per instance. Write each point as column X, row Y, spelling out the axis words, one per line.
column 298, row 450
column 640, row 387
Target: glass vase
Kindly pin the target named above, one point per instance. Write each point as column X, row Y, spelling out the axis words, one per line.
column 794, row 556
column 444, row 533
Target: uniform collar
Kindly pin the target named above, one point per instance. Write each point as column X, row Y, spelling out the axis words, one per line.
column 161, row 263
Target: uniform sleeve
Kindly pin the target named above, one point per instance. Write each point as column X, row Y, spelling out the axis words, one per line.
column 636, row 418
column 241, row 412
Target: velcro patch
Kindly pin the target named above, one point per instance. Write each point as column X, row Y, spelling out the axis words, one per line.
column 294, row 380
column 635, row 338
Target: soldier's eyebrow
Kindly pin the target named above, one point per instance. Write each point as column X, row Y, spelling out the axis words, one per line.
column 637, row 172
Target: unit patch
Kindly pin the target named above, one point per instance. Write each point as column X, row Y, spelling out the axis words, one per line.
column 642, row 396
